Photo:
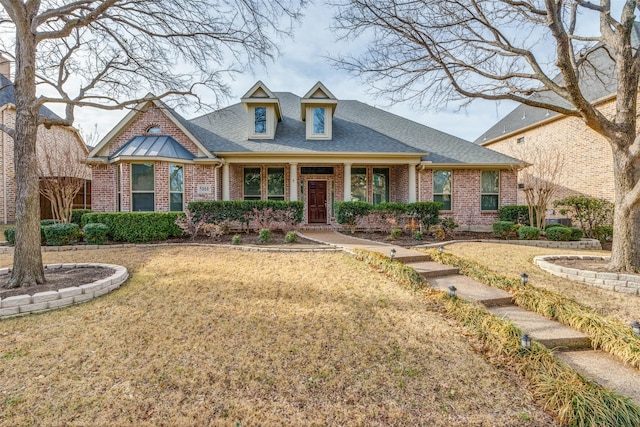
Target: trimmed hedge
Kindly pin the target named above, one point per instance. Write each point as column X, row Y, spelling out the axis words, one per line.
column 503, row 229
column 427, row 213
column 576, row 234
column 76, row 216
column 61, row 234
column 559, row 234
column 96, row 233
column 242, row 211
column 136, row 227
column 348, row 213
column 528, row 233
column 518, row 214
column 10, row 235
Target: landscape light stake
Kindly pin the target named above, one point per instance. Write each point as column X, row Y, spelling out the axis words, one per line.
column 635, row 325
column 524, row 278
column 452, row 291
column 525, row 342
column 392, row 254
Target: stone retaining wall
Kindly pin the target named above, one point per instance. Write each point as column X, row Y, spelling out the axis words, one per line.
column 624, row 283
column 584, row 244
column 51, row 300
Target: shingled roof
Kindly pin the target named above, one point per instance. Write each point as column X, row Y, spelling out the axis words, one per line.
column 8, row 96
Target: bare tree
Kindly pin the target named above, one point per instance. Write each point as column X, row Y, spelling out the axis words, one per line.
column 109, row 54
column 541, row 53
column 540, row 180
column 62, row 174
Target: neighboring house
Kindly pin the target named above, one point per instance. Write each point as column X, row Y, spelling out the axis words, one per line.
column 588, row 168
column 280, row 146
column 56, row 141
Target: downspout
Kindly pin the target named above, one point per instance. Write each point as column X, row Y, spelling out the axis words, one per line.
column 215, row 179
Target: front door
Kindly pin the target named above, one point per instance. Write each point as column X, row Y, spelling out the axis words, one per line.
column 317, row 202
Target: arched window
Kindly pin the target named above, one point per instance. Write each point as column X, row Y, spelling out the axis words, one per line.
column 154, row 130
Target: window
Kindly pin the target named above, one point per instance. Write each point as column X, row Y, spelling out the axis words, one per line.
column 520, row 140
column 490, row 190
column 442, row 188
column 316, row 170
column 176, row 188
column 359, row 184
column 252, row 184
column 275, row 183
column 155, row 130
column 380, row 185
column 260, row 120
column 142, row 187
column 318, row 121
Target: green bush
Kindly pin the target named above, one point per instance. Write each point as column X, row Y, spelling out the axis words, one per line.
column 236, row 239
column 10, row 235
column 136, row 227
column 528, row 233
column 548, row 226
column 348, row 213
column 559, row 234
column 61, row 234
column 76, row 216
column 518, row 214
column 45, row 222
column 576, row 234
column 243, row 211
column 395, row 233
column 418, row 235
column 95, row 234
column 427, row 213
column 291, row 237
column 264, row 235
column 604, row 233
column 589, row 212
column 504, row 229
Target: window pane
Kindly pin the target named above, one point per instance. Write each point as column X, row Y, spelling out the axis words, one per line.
column 142, row 177
column 175, row 202
column 490, row 182
column 489, row 203
column 176, row 178
column 142, row 202
column 252, row 183
column 275, row 183
column 318, row 120
column 442, row 182
column 445, row 199
column 359, row 184
column 316, row 170
column 261, row 120
column 380, row 185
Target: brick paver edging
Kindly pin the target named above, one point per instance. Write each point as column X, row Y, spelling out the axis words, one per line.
column 619, row 282
column 20, row 305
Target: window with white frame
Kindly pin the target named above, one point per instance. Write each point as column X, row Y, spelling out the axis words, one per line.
column 359, row 184
column 176, row 188
column 142, row 187
column 442, row 188
column 275, row 183
column 252, row 183
column 490, row 190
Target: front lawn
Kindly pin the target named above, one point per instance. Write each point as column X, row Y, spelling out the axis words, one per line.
column 204, row 336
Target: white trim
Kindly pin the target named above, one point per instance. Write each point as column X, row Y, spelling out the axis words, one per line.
column 412, row 183
column 226, row 191
column 293, row 181
column 347, row 182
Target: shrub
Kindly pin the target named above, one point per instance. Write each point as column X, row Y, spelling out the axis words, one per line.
column 426, row 212
column 136, row 227
column 264, row 235
column 589, row 212
column 448, row 225
column 518, row 214
column 45, row 222
column 576, row 234
column 548, row 226
column 438, row 232
column 503, row 229
column 61, row 234
column 348, row 213
column 604, row 233
column 395, row 233
column 559, row 234
column 243, row 211
column 10, row 235
column 236, row 239
column 528, row 233
column 95, row 234
column 291, row 237
column 76, row 216
column 418, row 235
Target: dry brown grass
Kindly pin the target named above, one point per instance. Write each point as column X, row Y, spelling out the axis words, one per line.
column 201, row 336
column 511, row 260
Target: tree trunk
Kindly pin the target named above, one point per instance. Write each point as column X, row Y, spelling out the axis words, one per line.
column 625, row 252
column 27, row 260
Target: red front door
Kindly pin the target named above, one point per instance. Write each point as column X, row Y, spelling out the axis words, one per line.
column 317, row 202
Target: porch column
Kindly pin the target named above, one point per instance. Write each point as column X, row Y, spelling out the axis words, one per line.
column 412, row 183
column 347, row 182
column 226, row 194
column 293, row 181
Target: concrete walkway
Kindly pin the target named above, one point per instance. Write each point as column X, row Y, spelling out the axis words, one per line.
column 569, row 345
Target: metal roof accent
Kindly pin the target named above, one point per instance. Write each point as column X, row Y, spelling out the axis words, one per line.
column 153, row 146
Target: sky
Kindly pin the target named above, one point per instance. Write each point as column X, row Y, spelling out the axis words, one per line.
column 303, row 62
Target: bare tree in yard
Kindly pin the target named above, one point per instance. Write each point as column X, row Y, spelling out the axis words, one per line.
column 541, row 53
column 108, row 54
column 62, row 175
column 540, row 180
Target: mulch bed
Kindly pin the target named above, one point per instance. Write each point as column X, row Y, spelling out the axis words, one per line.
column 583, row 264
column 58, row 279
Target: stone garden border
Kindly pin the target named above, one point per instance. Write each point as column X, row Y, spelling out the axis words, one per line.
column 583, row 244
column 19, row 305
column 618, row 282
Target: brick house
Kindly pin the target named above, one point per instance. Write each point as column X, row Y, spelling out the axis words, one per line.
column 280, row 146
column 588, row 168
column 57, row 141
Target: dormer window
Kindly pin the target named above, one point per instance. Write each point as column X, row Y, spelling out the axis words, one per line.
column 317, row 108
column 260, row 124
column 318, row 121
column 263, row 112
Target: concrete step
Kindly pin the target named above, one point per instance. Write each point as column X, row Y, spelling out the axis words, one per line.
column 551, row 334
column 470, row 290
column 605, row 370
column 430, row 269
